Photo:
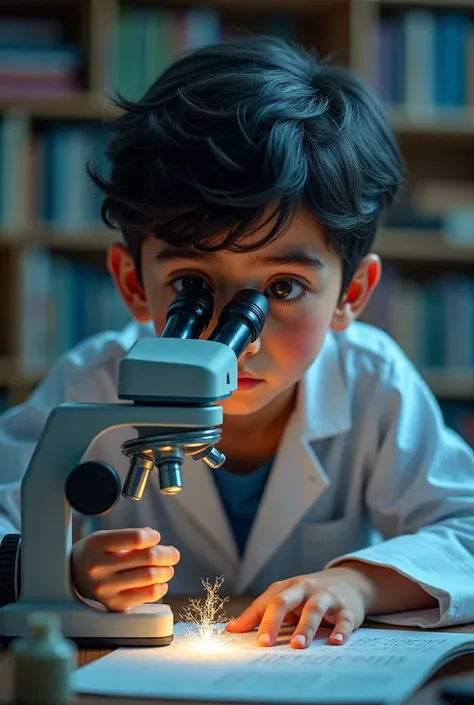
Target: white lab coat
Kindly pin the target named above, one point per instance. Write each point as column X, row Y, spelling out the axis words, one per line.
column 365, row 468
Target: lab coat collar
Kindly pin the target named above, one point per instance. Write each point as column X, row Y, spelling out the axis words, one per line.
column 323, row 399
column 297, row 479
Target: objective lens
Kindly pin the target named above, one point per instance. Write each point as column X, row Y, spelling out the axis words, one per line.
column 189, row 314
column 241, row 320
column 168, row 463
column 170, row 477
column 212, row 457
column 137, row 478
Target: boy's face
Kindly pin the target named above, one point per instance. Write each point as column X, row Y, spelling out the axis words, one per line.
column 298, row 273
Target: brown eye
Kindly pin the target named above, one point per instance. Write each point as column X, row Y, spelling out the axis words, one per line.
column 285, row 290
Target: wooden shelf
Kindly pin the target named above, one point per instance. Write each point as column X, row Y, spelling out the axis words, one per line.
column 90, row 240
column 92, row 107
column 449, row 4
column 256, row 7
column 80, row 106
column 442, row 123
column 392, row 244
column 457, row 385
column 12, row 377
column 420, row 246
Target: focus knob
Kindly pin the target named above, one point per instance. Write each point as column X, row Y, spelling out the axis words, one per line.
column 93, row 488
column 9, row 568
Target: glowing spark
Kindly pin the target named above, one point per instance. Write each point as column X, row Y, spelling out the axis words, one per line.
column 207, row 633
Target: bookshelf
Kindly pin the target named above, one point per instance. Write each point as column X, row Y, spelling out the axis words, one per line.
column 392, row 244
column 437, row 140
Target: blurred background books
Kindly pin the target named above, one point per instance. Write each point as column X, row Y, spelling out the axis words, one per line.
column 59, row 61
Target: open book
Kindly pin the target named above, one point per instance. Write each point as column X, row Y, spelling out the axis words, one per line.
column 375, row 666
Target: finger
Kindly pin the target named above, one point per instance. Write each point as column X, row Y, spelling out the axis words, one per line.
column 123, row 539
column 137, row 596
column 101, row 566
column 345, row 625
column 316, row 606
column 252, row 615
column 278, row 607
column 159, row 556
column 131, row 579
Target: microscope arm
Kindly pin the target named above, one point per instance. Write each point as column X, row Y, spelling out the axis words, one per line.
column 46, row 514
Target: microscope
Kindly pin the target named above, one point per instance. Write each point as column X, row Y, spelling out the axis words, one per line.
column 171, row 385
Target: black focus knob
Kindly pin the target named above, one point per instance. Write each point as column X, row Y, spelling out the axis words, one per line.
column 93, row 488
column 9, row 568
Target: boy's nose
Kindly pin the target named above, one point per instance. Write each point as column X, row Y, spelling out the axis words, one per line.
column 251, row 349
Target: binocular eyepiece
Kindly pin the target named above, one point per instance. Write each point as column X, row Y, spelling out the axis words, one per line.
column 241, row 320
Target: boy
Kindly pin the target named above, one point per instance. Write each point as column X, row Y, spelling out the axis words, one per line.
column 251, row 164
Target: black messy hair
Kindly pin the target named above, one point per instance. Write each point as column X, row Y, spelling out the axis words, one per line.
column 245, row 130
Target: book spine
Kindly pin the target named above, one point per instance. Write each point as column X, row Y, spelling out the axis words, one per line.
column 425, row 60
column 432, row 321
column 62, row 303
column 419, row 28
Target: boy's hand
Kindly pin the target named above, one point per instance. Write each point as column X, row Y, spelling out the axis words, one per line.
column 340, row 596
column 122, row 568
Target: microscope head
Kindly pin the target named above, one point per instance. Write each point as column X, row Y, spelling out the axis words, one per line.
column 179, row 369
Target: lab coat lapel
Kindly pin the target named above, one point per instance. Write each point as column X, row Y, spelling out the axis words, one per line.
column 296, row 481
column 213, row 534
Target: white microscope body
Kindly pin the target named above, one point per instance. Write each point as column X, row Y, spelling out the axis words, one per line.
column 173, row 382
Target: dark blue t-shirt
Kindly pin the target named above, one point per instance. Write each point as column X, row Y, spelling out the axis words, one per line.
column 241, row 495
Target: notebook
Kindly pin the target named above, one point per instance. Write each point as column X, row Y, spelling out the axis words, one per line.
column 374, row 666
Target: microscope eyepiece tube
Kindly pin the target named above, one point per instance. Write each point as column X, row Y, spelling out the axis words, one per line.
column 241, row 320
column 189, row 314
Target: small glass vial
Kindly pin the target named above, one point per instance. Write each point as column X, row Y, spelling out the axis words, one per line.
column 43, row 662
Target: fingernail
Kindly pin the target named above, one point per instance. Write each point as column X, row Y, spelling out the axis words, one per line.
column 337, row 637
column 299, row 639
column 264, row 640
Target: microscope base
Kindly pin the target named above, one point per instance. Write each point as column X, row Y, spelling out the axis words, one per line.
column 93, row 627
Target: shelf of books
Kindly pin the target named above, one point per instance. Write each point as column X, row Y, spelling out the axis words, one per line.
column 60, row 62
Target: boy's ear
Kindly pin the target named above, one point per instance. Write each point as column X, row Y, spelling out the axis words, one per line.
column 358, row 293
column 122, row 269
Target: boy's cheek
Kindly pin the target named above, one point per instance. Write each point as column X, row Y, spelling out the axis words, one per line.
column 301, row 341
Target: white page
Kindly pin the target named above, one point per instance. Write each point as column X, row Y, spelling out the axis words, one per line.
column 375, row 666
